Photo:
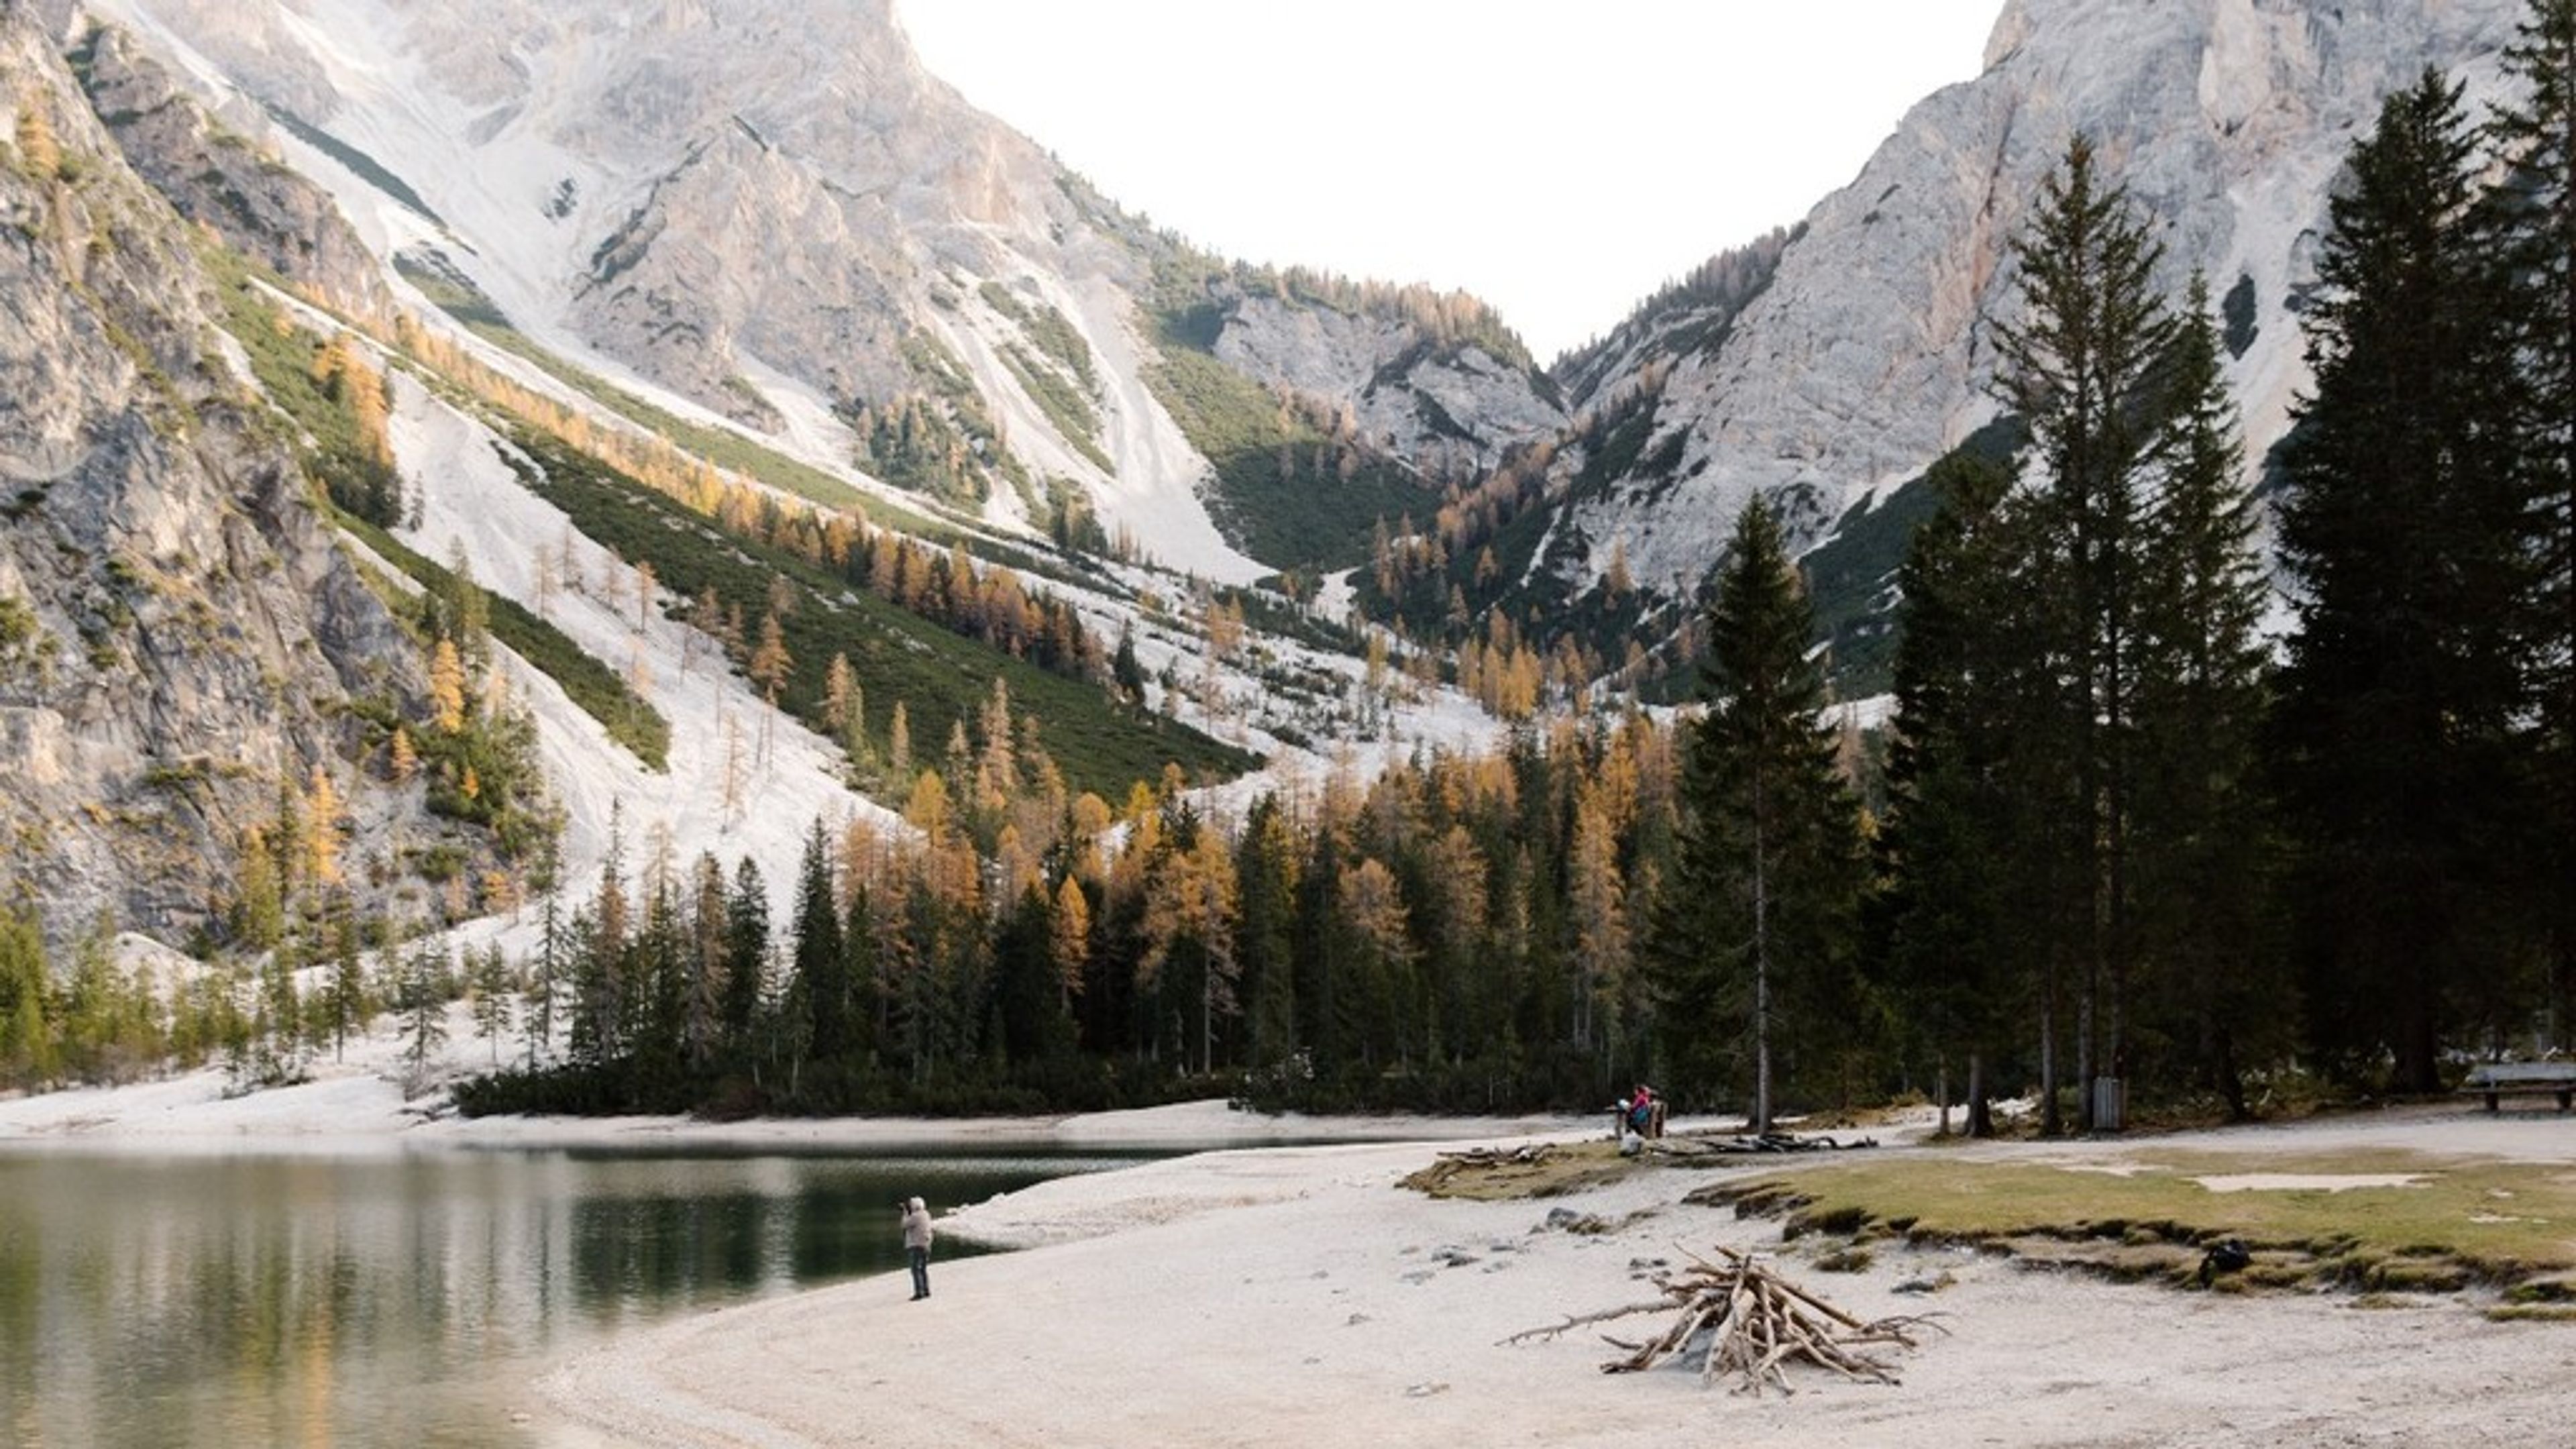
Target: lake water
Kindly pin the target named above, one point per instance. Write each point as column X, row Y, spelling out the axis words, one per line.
column 387, row 1297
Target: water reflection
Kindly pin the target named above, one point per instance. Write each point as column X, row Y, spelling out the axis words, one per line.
column 388, row 1297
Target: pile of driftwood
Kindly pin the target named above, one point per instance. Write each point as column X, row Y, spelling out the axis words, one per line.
column 1738, row 1317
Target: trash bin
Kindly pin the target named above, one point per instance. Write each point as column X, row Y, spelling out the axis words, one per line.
column 2110, row 1104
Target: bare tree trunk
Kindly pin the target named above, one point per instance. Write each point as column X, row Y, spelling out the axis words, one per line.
column 1981, row 1118
column 1761, row 966
column 2051, row 1121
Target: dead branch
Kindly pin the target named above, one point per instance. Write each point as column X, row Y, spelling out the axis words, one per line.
column 1739, row 1318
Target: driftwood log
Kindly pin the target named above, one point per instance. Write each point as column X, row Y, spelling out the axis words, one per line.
column 1778, row 1142
column 1738, row 1318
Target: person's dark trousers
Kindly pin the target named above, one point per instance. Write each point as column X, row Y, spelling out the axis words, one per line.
column 920, row 1271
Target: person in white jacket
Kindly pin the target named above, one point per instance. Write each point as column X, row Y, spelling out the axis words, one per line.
column 916, row 1246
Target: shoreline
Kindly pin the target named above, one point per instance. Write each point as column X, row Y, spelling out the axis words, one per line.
column 1248, row 1291
column 1269, row 1294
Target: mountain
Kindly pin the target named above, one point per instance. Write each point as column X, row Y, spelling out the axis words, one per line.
column 179, row 638
column 762, row 233
column 772, row 210
column 1829, row 375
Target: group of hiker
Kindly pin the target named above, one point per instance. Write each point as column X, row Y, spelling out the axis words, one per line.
column 1638, row 1115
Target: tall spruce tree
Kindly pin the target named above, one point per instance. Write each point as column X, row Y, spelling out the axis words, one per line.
column 1944, row 906
column 2535, row 214
column 2081, row 368
column 2214, row 998
column 2403, row 530
column 820, row 983
column 1266, row 867
column 746, row 954
column 1755, row 942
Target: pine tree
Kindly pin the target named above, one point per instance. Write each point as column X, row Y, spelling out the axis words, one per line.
column 2205, row 840
column 770, row 662
column 2402, row 529
column 492, row 997
column 819, row 955
column 840, row 687
column 323, row 869
column 2081, row 369
column 1944, row 915
column 1265, row 870
column 746, row 952
column 600, row 968
column 1025, row 986
column 1757, row 941
column 259, row 915
column 710, row 933
column 1069, row 940
column 38, row 153
column 2535, row 206
column 346, row 994
column 1124, row 670
column 545, row 978
column 27, row 1050
column 1597, row 934
column 424, row 1010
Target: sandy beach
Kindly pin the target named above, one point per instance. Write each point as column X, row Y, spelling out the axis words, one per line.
column 1297, row 1295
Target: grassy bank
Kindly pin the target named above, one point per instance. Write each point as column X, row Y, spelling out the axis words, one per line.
column 2379, row 1221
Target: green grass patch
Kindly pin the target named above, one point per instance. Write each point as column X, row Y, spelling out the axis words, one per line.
column 282, row 359
column 2456, row 1224
column 335, row 456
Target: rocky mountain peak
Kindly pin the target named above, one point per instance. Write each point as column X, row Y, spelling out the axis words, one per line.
column 1867, row 354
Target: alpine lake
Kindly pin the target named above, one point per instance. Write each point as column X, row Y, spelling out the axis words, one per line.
column 368, row 1294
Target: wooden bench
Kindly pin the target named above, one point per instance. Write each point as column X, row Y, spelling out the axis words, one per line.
column 2496, row 1080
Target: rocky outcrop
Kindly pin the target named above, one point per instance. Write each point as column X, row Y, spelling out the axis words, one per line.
column 222, row 179
column 1868, row 353
column 1446, row 409
column 189, row 634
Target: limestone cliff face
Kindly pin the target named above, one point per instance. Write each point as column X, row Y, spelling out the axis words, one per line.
column 1449, row 411
column 1867, row 354
column 220, row 178
column 184, row 631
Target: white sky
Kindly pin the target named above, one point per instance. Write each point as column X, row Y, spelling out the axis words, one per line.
column 1559, row 158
